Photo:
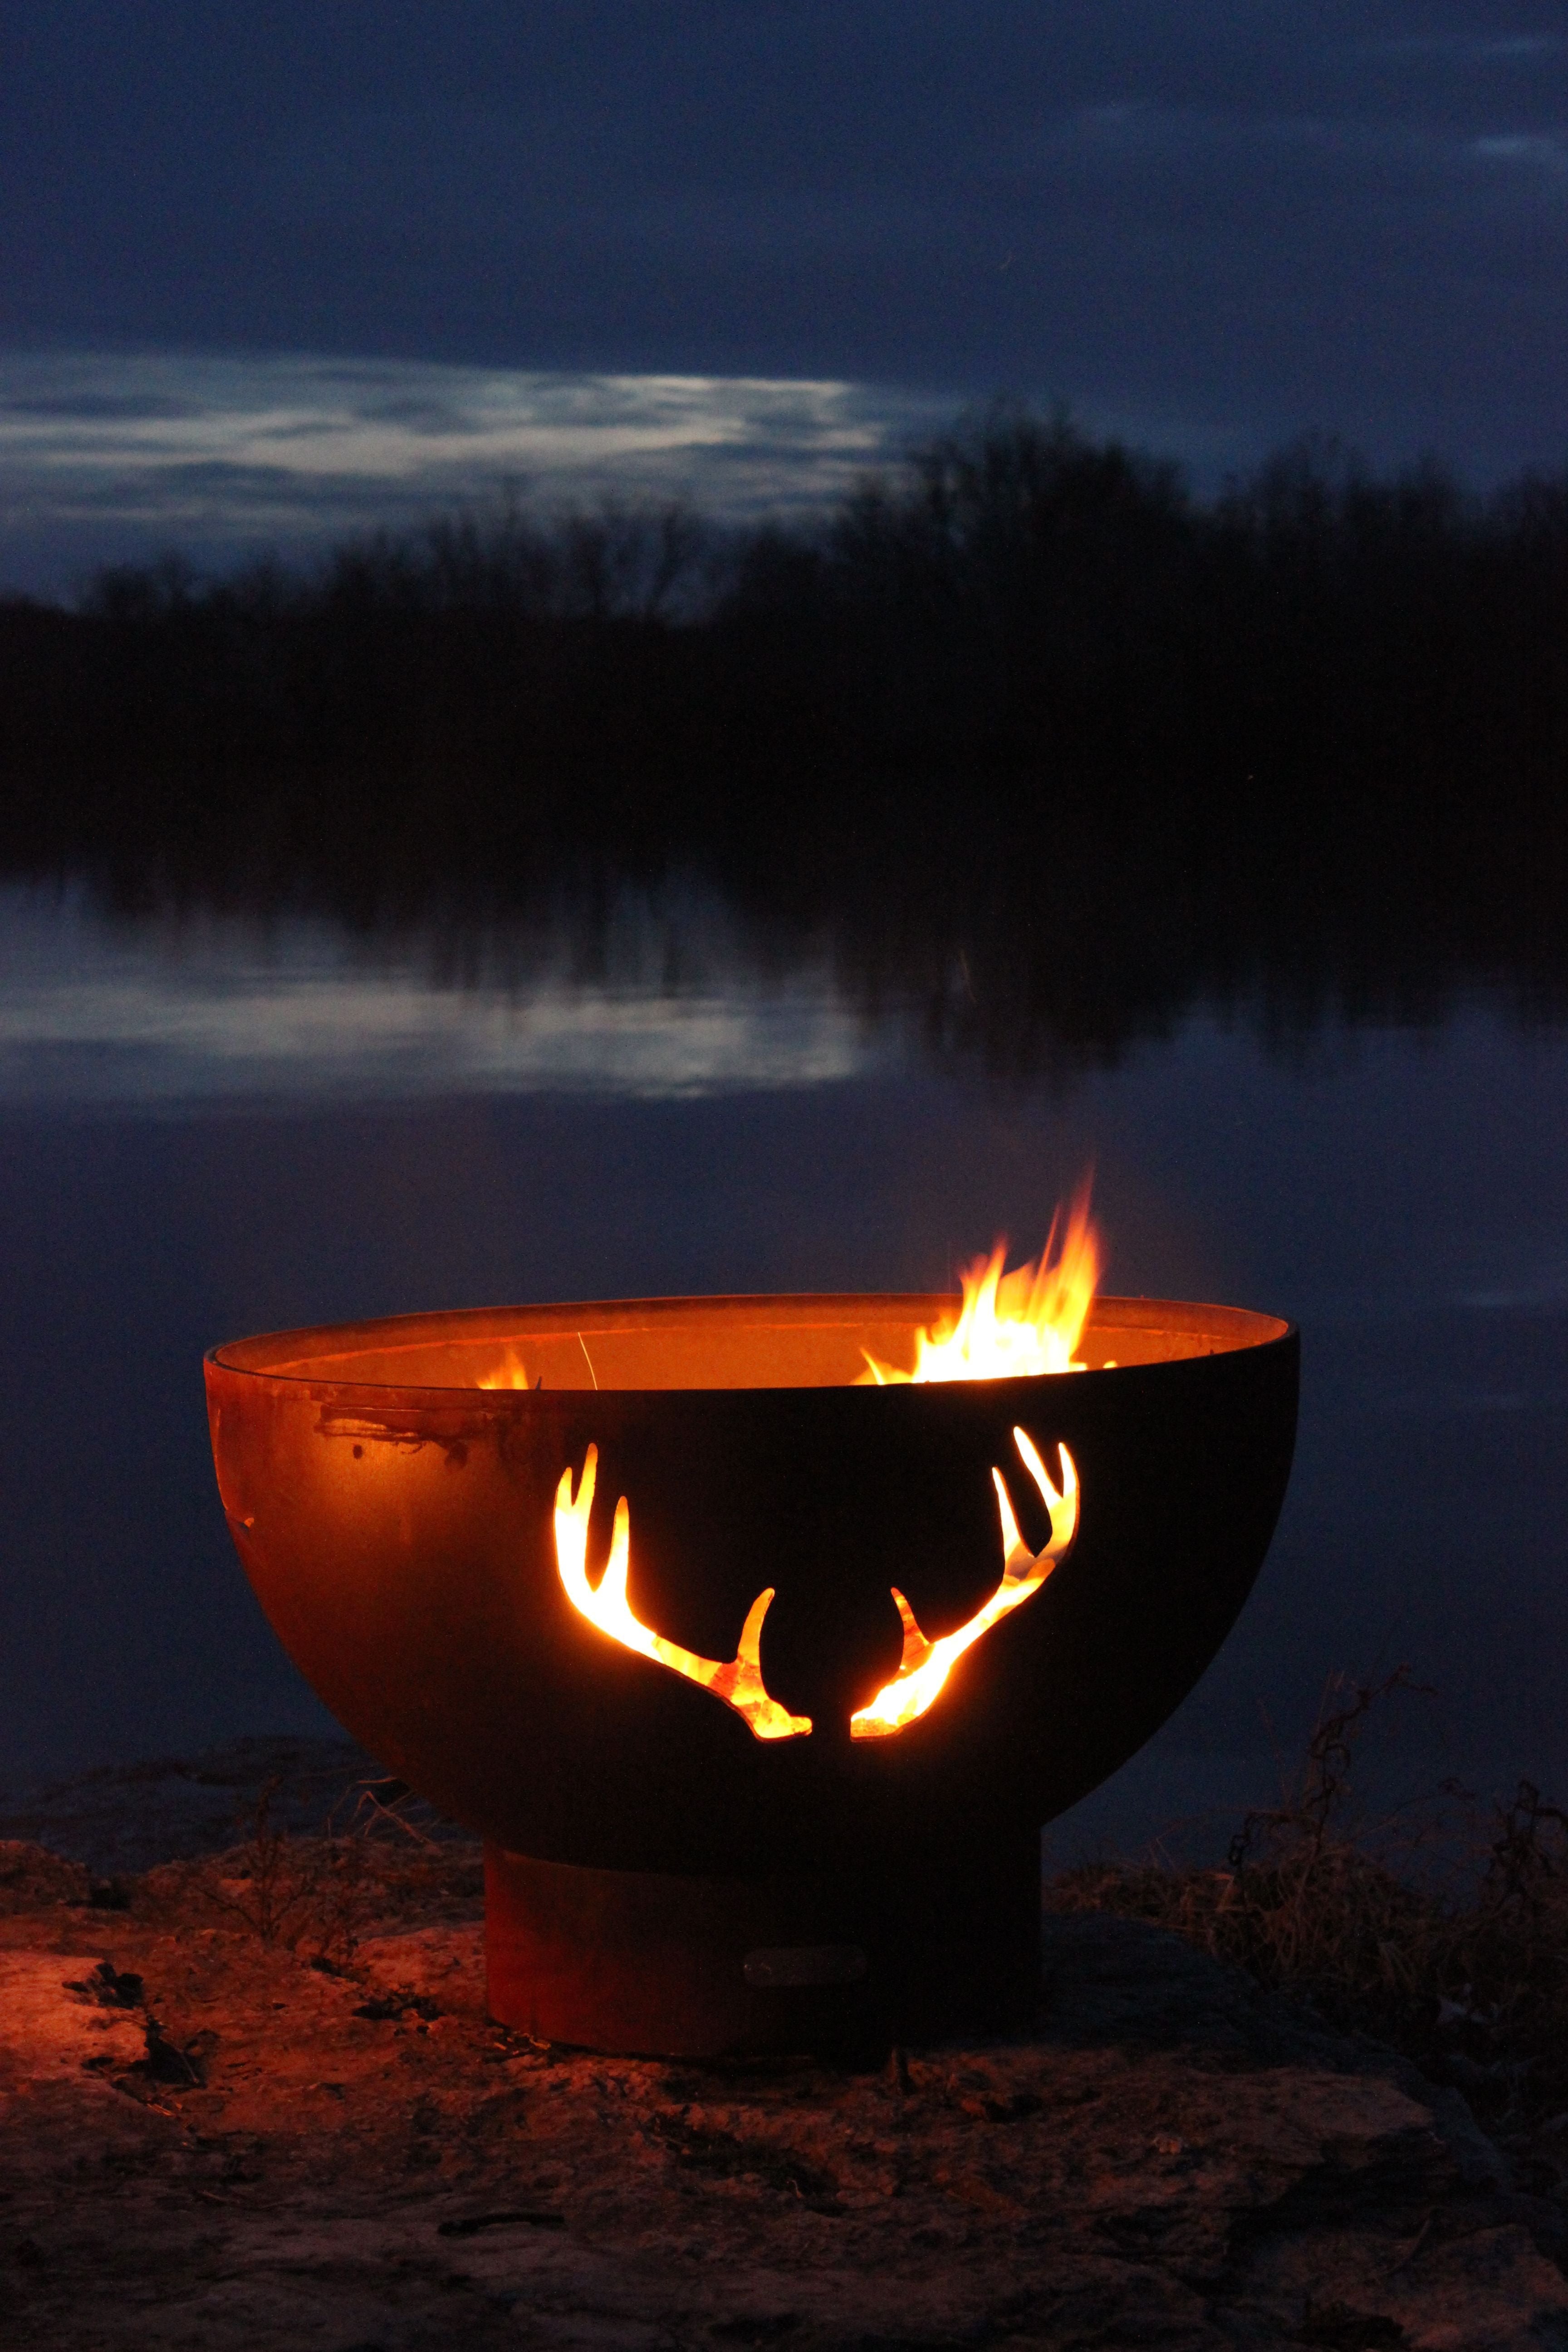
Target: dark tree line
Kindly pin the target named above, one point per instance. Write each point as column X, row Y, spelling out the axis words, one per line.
column 1026, row 676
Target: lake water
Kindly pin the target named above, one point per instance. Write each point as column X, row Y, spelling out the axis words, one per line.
column 211, row 1127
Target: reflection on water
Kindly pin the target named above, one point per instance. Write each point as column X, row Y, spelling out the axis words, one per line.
column 649, row 1094
column 204, row 1010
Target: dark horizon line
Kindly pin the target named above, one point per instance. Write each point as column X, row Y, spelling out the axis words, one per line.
column 1337, row 463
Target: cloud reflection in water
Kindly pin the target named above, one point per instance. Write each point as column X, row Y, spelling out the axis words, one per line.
column 91, row 1014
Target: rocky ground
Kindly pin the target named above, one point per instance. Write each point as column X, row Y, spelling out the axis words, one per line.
column 255, row 2102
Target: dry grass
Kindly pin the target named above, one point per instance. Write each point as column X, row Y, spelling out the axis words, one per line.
column 1443, row 1931
column 373, row 1862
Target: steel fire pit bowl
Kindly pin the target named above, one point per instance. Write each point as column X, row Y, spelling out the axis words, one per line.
column 658, row 1878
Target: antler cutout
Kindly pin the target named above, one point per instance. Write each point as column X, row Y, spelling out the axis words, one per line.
column 739, row 1681
column 925, row 1665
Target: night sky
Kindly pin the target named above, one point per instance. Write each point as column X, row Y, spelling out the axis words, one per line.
column 1207, row 228
column 278, row 272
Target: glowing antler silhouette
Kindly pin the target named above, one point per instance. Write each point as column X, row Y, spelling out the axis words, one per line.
column 925, row 1665
column 739, row 1681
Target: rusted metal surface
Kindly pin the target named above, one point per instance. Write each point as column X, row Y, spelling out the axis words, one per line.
column 399, row 1535
column 395, row 1519
column 844, row 1964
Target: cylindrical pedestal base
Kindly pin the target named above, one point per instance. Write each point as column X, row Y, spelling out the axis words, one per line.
column 643, row 1963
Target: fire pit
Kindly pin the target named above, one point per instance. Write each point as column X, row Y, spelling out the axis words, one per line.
column 757, row 1680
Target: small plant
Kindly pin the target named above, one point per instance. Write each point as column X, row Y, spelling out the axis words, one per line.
column 1442, row 1930
column 317, row 1895
column 287, row 1890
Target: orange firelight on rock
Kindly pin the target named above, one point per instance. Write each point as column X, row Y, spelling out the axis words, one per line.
column 738, row 1682
column 1015, row 1324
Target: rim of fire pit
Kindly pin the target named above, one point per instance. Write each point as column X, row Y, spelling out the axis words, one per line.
column 395, row 1520
column 1135, row 1332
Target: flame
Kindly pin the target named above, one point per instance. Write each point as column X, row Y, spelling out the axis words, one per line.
column 509, row 1373
column 1009, row 1324
column 925, row 1665
column 739, row 1683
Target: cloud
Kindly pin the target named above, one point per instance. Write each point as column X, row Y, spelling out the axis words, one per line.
column 113, row 452
column 1240, row 223
column 1470, row 48
column 1529, row 150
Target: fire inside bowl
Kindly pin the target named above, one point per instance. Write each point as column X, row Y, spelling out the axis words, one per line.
column 661, row 1877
